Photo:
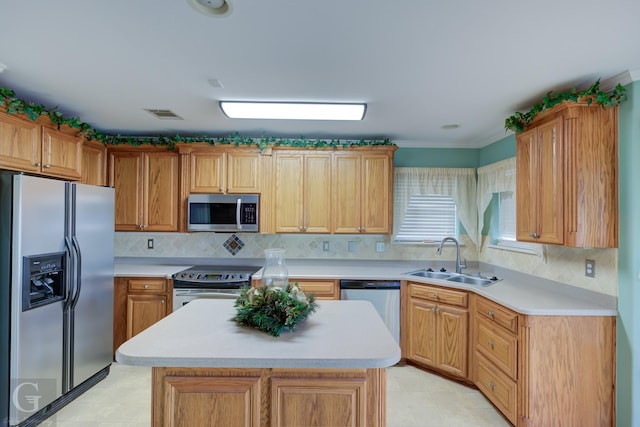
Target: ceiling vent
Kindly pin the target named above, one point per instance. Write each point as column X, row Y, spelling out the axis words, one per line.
column 163, row 114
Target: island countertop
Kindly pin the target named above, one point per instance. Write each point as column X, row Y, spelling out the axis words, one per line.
column 340, row 334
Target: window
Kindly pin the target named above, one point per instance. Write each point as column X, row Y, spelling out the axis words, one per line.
column 429, row 217
column 432, row 203
column 506, row 216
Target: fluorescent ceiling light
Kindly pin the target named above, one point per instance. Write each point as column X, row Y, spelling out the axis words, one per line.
column 292, row 110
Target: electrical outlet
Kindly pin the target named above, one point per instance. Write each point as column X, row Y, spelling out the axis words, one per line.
column 589, row 268
column 149, row 243
column 379, row 246
column 325, row 246
column 352, row 246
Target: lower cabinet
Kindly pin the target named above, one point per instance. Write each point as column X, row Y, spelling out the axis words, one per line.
column 269, row 397
column 139, row 303
column 437, row 328
column 322, row 289
column 544, row 370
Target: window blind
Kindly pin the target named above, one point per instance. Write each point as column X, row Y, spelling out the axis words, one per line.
column 428, row 217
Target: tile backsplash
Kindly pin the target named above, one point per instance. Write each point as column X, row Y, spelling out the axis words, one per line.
column 560, row 264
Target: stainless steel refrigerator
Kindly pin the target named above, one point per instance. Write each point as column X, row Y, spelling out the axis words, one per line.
column 56, row 293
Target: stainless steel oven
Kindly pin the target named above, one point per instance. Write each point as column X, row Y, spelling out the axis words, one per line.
column 210, row 281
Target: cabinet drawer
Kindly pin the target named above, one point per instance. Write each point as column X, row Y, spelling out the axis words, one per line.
column 438, row 294
column 147, row 285
column 322, row 289
column 498, row 314
column 498, row 388
column 500, row 347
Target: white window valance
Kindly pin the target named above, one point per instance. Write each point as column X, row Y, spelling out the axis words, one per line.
column 494, row 178
column 457, row 183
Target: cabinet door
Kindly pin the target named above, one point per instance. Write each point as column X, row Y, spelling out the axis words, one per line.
column 526, row 185
column 143, row 311
column 243, row 172
column 347, row 189
column 161, row 192
column 207, row 172
column 317, row 193
column 376, row 191
column 20, row 144
column 551, row 179
column 452, row 339
column 61, row 154
column 125, row 175
column 94, row 159
column 422, row 332
column 288, row 192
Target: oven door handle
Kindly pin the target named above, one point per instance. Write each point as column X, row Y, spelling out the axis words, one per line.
column 211, row 295
column 238, row 208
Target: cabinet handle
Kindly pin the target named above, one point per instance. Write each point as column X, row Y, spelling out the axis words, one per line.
column 491, row 314
column 490, row 344
column 435, row 310
column 146, row 286
column 220, row 189
column 47, row 165
column 37, row 164
column 161, row 301
column 436, row 296
column 490, row 385
column 534, row 235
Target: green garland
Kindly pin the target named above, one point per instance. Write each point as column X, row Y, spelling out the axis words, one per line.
column 33, row 111
column 272, row 309
column 518, row 121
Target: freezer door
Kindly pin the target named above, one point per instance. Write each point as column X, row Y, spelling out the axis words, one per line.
column 37, row 334
column 92, row 343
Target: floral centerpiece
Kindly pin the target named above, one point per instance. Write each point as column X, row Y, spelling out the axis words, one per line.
column 273, row 309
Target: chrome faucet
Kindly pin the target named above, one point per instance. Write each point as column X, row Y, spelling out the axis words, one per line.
column 459, row 265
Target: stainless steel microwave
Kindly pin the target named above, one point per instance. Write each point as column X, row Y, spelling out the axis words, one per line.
column 224, row 212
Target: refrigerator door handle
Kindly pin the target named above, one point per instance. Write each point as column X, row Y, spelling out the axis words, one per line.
column 78, row 273
column 69, row 272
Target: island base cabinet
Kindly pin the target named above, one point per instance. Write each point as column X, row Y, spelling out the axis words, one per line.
column 269, row 397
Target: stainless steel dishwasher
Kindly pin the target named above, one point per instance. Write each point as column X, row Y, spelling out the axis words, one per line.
column 383, row 294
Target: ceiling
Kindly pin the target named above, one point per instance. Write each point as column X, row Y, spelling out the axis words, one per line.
column 418, row 64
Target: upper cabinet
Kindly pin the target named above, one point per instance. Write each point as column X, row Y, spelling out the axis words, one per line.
column 362, row 192
column 30, row 147
column 214, row 169
column 94, row 163
column 302, row 192
column 146, row 188
column 567, row 179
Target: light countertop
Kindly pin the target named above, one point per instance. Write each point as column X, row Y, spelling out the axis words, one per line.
column 340, row 334
column 520, row 292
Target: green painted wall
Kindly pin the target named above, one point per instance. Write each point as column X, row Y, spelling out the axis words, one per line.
column 499, row 150
column 628, row 324
column 436, row 157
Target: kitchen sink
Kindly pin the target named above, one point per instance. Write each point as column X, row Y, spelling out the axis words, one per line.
column 430, row 274
column 470, row 280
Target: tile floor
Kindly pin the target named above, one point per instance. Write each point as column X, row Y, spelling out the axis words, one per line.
column 414, row 399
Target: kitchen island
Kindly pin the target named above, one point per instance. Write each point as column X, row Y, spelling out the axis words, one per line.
column 207, row 370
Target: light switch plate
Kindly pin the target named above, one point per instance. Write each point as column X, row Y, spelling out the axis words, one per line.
column 325, row 246
column 352, row 246
column 379, row 246
column 149, row 243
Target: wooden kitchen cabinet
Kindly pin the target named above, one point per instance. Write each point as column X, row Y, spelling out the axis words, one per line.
column 94, row 163
column 544, row 370
column 28, row 146
column 437, row 322
column 221, row 169
column 566, row 177
column 139, row 302
column 146, row 189
column 321, row 288
column 302, row 192
column 362, row 192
